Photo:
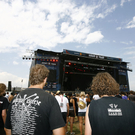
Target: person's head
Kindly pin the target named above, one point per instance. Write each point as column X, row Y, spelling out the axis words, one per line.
column 82, row 94
column 38, row 74
column 104, row 84
column 58, row 92
column 61, row 93
column 2, row 89
column 70, row 94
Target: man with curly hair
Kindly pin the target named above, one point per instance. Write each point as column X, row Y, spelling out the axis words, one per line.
column 34, row 111
column 109, row 115
column 3, row 108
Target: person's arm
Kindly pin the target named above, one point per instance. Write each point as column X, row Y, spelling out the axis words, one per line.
column 8, row 131
column 59, row 131
column 74, row 105
column 67, row 109
column 88, row 99
column 4, row 114
column 77, row 99
column 88, row 130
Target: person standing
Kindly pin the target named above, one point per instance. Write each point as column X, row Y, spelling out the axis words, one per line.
column 71, row 112
column 109, row 115
column 3, row 108
column 82, row 107
column 64, row 106
column 76, row 107
column 7, row 95
column 33, row 111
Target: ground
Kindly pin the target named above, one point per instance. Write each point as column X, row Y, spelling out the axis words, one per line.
column 75, row 127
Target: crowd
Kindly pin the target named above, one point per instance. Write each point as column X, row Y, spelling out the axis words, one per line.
column 34, row 111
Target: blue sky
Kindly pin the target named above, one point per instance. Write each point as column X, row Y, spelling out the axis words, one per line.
column 102, row 27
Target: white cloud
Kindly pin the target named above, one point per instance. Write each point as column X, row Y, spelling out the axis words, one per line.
column 118, row 28
column 124, row 42
column 131, row 47
column 131, row 24
column 124, row 1
column 78, row 46
column 131, row 42
column 45, row 23
column 16, row 81
column 127, row 43
column 15, row 63
column 107, row 11
column 94, row 37
column 131, row 53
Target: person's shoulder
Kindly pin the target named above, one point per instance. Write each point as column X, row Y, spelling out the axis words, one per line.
column 2, row 98
column 65, row 98
column 129, row 102
column 96, row 101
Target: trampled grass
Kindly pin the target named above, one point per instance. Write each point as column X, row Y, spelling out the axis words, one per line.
column 75, row 127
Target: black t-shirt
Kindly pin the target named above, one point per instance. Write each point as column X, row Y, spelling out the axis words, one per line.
column 112, row 116
column 3, row 105
column 34, row 112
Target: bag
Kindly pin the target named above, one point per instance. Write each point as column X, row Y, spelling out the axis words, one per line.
column 81, row 104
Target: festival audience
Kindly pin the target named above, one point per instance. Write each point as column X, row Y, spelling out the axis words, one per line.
column 76, row 107
column 33, row 111
column 82, row 107
column 64, row 105
column 71, row 112
column 109, row 115
column 109, row 112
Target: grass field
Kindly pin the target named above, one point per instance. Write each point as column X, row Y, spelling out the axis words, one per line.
column 75, row 127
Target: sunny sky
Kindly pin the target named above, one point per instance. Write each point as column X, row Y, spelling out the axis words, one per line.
column 103, row 27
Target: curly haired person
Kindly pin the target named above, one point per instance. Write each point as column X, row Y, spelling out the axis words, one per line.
column 109, row 115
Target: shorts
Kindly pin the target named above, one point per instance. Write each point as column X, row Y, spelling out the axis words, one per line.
column 64, row 115
column 81, row 113
column 71, row 113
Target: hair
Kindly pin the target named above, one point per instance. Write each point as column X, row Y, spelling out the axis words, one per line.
column 82, row 94
column 38, row 73
column 2, row 88
column 70, row 94
column 58, row 92
column 104, row 84
column 61, row 93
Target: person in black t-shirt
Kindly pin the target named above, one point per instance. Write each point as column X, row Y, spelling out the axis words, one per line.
column 3, row 108
column 71, row 112
column 109, row 115
column 34, row 111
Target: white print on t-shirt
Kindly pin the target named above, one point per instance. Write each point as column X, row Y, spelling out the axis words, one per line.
column 24, row 113
column 114, row 111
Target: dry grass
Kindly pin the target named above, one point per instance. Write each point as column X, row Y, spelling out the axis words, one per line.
column 75, row 127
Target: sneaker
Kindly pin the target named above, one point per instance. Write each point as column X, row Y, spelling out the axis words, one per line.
column 67, row 132
column 72, row 133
